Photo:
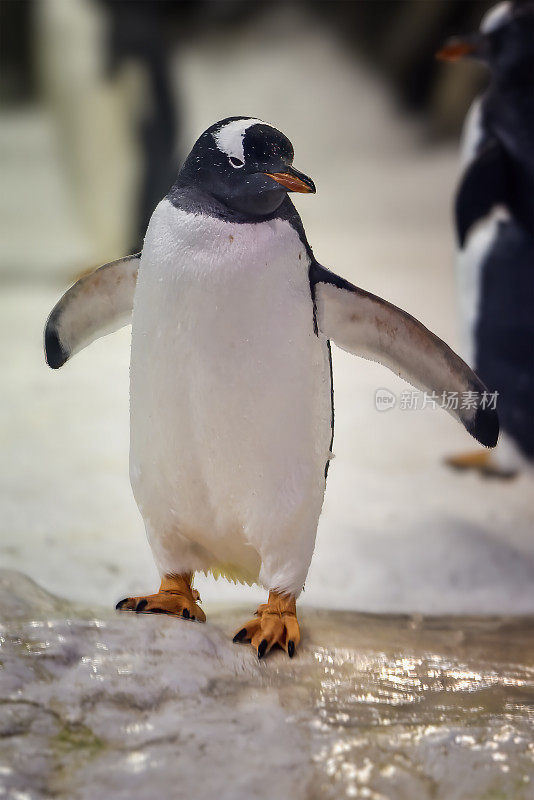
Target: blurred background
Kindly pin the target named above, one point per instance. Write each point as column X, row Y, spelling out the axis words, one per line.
column 101, row 101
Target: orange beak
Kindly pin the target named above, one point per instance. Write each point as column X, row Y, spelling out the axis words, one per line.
column 293, row 181
column 455, row 49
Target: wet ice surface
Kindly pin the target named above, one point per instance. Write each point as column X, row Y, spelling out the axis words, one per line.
column 97, row 704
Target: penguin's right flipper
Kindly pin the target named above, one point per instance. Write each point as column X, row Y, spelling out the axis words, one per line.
column 365, row 325
column 97, row 304
column 484, row 185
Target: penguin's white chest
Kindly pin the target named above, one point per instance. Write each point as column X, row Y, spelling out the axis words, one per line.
column 230, row 392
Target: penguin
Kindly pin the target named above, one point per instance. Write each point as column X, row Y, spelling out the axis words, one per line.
column 231, row 404
column 494, row 215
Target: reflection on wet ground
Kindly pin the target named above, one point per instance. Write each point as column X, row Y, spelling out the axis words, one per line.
column 373, row 706
column 437, row 707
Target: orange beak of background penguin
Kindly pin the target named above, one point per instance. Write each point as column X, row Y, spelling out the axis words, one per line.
column 293, row 181
column 455, row 49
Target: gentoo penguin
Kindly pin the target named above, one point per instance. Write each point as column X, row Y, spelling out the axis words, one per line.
column 495, row 230
column 231, row 392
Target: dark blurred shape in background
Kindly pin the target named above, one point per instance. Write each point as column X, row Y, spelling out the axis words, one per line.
column 17, row 69
column 141, row 32
column 494, row 212
column 398, row 37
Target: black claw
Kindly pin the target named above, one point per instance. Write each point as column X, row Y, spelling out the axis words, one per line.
column 193, row 617
column 185, row 614
column 141, row 604
column 262, row 648
column 240, row 635
column 121, row 603
column 291, row 648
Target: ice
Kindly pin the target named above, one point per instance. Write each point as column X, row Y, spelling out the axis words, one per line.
column 96, row 703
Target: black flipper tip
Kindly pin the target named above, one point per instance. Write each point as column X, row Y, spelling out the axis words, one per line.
column 485, row 427
column 120, row 604
column 55, row 353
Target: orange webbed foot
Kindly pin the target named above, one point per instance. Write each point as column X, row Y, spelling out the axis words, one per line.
column 481, row 461
column 175, row 597
column 275, row 624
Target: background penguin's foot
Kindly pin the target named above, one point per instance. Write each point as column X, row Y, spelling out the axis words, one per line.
column 275, row 624
column 176, row 597
column 481, row 461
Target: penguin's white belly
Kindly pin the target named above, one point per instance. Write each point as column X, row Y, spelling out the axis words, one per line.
column 469, row 263
column 230, row 399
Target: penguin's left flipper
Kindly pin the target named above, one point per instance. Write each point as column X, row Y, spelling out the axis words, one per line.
column 97, row 304
column 484, row 185
column 367, row 326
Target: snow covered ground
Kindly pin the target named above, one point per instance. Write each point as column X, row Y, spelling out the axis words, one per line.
column 398, row 531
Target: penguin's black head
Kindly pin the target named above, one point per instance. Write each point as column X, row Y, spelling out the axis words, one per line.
column 505, row 40
column 245, row 164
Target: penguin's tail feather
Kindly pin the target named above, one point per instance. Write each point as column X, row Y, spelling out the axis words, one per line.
column 97, row 304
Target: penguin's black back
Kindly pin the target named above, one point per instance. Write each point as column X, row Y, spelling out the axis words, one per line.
column 508, row 118
column 504, row 334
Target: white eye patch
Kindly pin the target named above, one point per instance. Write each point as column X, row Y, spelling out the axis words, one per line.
column 229, row 139
column 496, row 17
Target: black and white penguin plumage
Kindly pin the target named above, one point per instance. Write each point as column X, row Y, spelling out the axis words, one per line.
column 231, row 392
column 495, row 228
